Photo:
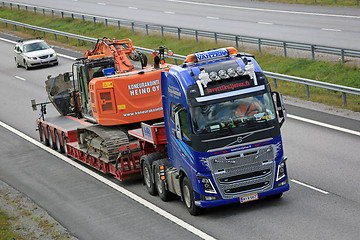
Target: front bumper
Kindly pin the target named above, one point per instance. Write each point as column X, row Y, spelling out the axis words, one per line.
column 40, row 62
column 215, row 203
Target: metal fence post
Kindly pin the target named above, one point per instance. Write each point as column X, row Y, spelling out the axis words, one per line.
column 55, row 36
column 147, row 29
column 11, row 6
column 236, row 42
column 162, row 31
column 275, row 83
column 83, row 18
column 215, row 37
column 67, row 39
column 52, row 13
column 18, row 7
column 34, row 10
column 132, row 28
column 344, row 99
column 26, row 8
column 94, row 18
column 119, row 25
column 259, row 42
column 106, row 22
column 62, row 14
column 179, row 33
column 307, row 91
column 313, row 52
column 285, row 52
column 196, row 35
column 342, row 56
column 44, row 12
column 72, row 16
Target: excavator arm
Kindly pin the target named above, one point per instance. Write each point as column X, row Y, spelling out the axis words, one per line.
column 121, row 51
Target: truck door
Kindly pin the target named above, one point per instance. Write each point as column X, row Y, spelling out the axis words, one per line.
column 182, row 141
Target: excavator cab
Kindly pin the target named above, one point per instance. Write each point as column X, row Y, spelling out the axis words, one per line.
column 86, row 69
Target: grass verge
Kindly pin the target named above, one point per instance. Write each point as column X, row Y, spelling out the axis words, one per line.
column 336, row 73
column 6, row 231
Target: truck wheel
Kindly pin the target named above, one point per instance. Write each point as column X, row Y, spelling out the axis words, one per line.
column 43, row 138
column 50, row 137
column 160, row 186
column 188, row 195
column 64, row 140
column 147, row 179
column 58, row 146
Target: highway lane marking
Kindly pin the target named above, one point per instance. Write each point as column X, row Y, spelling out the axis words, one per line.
column 267, row 10
column 331, row 29
column 100, row 3
column 288, row 115
column 209, row 17
column 265, row 23
column 169, row 12
column 23, row 79
column 118, row 188
column 324, row 125
column 309, row 186
column 135, row 8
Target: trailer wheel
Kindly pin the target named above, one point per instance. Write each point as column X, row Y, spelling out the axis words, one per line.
column 58, row 146
column 50, row 138
column 64, row 140
column 160, row 186
column 147, row 178
column 43, row 138
column 188, row 195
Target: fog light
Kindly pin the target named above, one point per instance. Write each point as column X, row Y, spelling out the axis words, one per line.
column 283, row 183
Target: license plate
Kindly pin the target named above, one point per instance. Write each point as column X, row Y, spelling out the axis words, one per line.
column 248, row 198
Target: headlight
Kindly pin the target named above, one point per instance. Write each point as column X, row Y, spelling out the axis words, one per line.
column 208, row 186
column 240, row 71
column 231, row 72
column 214, row 76
column 281, row 172
column 222, row 74
column 53, row 55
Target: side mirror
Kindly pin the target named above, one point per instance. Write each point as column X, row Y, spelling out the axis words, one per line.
column 280, row 107
column 177, row 126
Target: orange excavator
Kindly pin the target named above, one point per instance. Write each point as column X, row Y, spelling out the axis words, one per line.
column 110, row 86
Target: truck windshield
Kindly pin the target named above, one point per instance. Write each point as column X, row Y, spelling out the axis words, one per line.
column 231, row 114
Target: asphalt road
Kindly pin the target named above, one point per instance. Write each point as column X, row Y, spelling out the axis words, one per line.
column 325, row 26
column 323, row 203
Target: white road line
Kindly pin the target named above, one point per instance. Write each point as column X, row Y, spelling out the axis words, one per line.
column 169, row 12
column 209, row 17
column 135, row 8
column 265, row 23
column 23, row 79
column 331, row 29
column 309, row 186
column 118, row 188
column 100, row 3
column 266, row 10
column 324, row 125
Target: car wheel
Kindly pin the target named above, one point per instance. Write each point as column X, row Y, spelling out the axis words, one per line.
column 27, row 67
column 17, row 63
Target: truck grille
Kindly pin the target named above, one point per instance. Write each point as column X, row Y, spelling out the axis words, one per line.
column 244, row 172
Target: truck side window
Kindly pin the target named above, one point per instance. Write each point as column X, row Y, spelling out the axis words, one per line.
column 184, row 124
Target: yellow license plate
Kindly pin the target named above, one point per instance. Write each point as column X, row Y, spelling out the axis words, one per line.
column 248, row 198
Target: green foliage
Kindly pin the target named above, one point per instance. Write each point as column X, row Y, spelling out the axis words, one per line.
column 5, row 228
column 342, row 3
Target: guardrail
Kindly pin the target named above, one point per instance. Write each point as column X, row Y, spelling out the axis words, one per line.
column 274, row 76
column 260, row 42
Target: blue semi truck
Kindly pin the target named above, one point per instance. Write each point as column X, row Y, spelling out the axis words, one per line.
column 217, row 140
column 222, row 124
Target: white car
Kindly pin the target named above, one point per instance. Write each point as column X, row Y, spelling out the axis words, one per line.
column 32, row 53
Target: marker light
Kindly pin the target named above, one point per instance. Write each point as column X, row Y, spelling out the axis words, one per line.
column 231, row 72
column 191, row 58
column 232, row 50
column 240, row 71
column 222, row 74
column 214, row 76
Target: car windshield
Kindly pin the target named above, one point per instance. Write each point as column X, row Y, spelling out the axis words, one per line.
column 36, row 46
column 231, row 114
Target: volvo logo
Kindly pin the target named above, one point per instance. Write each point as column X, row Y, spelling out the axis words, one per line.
column 240, row 139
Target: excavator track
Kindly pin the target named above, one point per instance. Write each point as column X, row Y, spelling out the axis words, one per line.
column 102, row 141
